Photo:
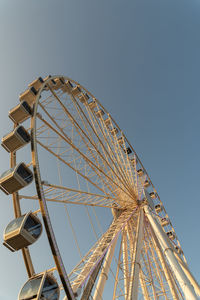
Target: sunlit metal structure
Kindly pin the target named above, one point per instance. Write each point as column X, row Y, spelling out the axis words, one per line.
column 73, row 136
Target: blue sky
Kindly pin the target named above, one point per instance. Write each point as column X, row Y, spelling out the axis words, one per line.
column 141, row 59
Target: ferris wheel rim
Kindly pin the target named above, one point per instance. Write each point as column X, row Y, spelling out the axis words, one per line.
column 43, row 207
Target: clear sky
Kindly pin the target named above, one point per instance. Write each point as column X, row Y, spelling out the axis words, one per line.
column 141, row 59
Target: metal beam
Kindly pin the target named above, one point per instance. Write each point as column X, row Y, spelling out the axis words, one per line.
column 188, row 274
column 134, row 281
column 164, row 265
column 125, row 263
column 90, row 284
column 104, row 272
column 187, row 288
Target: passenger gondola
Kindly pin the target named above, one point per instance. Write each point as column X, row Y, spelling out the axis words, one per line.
column 128, row 150
column 29, row 96
column 158, row 208
column 37, row 83
column 20, row 113
column 153, row 195
column 120, row 140
column 76, row 91
column 59, row 82
column 179, row 250
column 107, row 122
column 99, row 113
column 15, row 178
column 171, row 235
column 16, row 139
column 164, row 222
column 147, row 199
column 51, row 83
column 22, row 232
column 133, row 161
column 146, row 183
column 92, row 104
column 140, row 172
column 40, row 287
column 114, row 131
column 67, row 87
column 84, row 97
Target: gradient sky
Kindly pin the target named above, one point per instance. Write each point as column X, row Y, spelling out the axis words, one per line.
column 141, row 59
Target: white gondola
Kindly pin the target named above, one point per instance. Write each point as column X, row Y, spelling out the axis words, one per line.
column 20, row 113
column 107, row 122
column 67, row 87
column 59, row 82
column 84, row 97
column 40, row 287
column 158, row 208
column 37, row 83
column 147, row 199
column 179, row 250
column 133, row 161
column 171, row 235
column 29, row 95
column 164, row 221
column 99, row 113
column 22, row 232
column 114, row 131
column 76, row 91
column 15, row 179
column 92, row 104
column 153, row 195
column 16, row 139
column 140, row 172
column 146, row 183
column 128, row 150
column 51, row 83
column 120, row 140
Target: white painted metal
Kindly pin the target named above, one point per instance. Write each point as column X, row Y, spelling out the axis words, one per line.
column 125, row 263
column 104, row 272
column 185, row 285
column 188, row 274
column 117, row 272
column 164, row 266
column 133, row 290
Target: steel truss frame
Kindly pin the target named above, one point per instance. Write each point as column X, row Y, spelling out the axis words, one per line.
column 77, row 135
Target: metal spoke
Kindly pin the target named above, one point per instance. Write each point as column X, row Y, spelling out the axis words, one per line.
column 61, row 194
column 80, row 130
column 98, row 250
column 97, row 170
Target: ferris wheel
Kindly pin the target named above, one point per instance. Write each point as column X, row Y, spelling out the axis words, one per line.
column 107, row 230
